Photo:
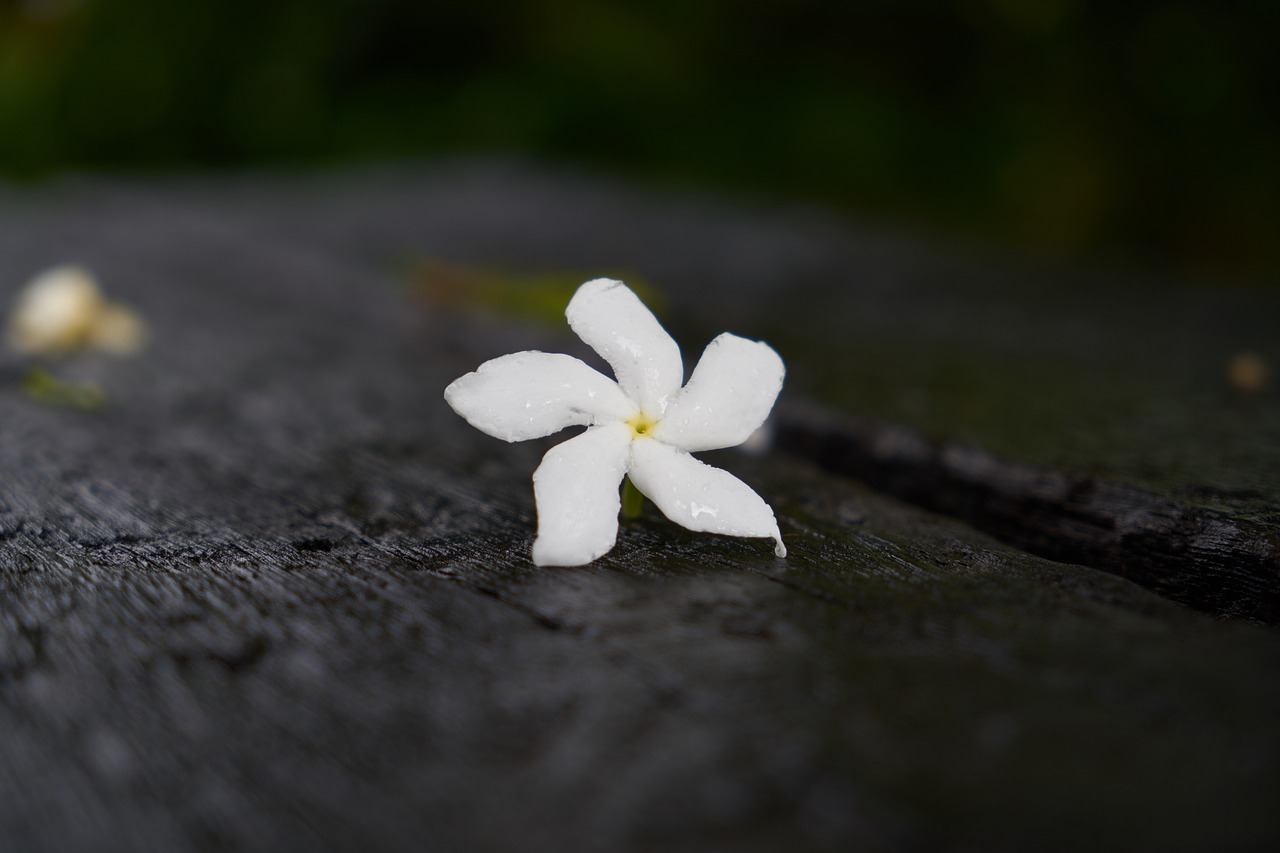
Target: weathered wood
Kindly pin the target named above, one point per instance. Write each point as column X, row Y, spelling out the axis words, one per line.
column 1205, row 559
column 276, row 596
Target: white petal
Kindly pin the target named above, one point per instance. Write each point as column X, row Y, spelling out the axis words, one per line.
column 576, row 488
column 531, row 394
column 56, row 311
column 613, row 320
column 698, row 496
column 727, row 398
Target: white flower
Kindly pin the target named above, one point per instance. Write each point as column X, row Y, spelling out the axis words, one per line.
column 63, row 309
column 643, row 426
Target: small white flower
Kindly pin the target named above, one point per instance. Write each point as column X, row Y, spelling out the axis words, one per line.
column 63, row 309
column 644, row 425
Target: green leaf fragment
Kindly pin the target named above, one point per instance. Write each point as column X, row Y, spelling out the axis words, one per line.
column 632, row 500
column 43, row 387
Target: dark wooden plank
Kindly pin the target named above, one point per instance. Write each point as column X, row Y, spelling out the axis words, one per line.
column 1085, row 415
column 1209, row 560
column 276, row 596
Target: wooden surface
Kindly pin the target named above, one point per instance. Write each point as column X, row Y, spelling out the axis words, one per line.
column 275, row 595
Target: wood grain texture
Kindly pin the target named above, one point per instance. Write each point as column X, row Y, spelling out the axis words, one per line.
column 275, row 596
column 1205, row 559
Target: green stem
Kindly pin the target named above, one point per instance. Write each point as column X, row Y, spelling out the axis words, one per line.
column 632, row 500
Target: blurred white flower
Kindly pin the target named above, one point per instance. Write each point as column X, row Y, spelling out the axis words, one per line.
column 644, row 425
column 63, row 309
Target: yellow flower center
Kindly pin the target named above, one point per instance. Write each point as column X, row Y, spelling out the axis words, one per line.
column 641, row 425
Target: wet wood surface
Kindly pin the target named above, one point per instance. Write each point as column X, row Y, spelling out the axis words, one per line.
column 275, row 595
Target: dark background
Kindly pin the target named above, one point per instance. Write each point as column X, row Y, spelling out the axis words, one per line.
column 1138, row 133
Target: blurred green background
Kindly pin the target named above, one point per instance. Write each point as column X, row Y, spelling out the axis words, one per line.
column 1140, row 132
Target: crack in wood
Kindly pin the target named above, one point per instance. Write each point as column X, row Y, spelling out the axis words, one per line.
column 1200, row 558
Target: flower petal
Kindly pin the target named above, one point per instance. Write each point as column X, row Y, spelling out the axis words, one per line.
column 698, row 496
column 726, row 399
column 531, row 394
column 576, row 488
column 613, row 320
